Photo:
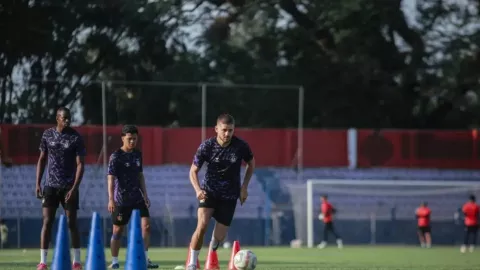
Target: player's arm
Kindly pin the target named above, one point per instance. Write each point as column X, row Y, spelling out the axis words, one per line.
column 42, row 161
column 250, row 160
column 143, row 186
column 80, row 159
column 197, row 163
column 112, row 173
column 248, row 172
column 194, row 169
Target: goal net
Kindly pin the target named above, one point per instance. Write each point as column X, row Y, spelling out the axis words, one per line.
column 372, row 201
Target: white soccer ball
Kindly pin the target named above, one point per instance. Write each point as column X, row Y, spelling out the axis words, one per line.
column 245, row 260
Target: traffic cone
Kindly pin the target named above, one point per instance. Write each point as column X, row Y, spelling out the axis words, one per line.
column 212, row 260
column 96, row 250
column 136, row 259
column 188, row 260
column 61, row 255
column 235, row 249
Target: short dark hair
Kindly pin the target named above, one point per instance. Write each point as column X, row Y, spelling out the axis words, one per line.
column 63, row 109
column 226, row 118
column 424, row 203
column 324, row 196
column 472, row 198
column 129, row 129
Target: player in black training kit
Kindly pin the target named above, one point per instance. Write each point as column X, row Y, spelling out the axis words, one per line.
column 127, row 191
column 222, row 186
column 65, row 150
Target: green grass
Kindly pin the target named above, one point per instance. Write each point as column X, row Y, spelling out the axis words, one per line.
column 351, row 257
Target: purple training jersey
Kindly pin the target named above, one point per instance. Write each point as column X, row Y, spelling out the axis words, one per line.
column 126, row 168
column 222, row 178
column 62, row 149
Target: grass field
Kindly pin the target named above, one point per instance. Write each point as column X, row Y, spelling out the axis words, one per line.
column 351, row 257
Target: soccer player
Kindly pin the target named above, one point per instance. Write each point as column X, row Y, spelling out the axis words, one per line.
column 423, row 220
column 471, row 210
column 64, row 149
column 3, row 234
column 327, row 212
column 126, row 192
column 221, row 187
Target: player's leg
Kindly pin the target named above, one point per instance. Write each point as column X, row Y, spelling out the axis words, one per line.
column 336, row 235
column 145, row 216
column 473, row 242
column 421, row 236
column 71, row 209
column 50, row 203
column 204, row 214
column 120, row 218
column 466, row 237
column 326, row 229
column 223, row 216
column 428, row 237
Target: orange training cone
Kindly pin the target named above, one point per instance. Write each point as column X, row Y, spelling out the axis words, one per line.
column 212, row 260
column 235, row 249
column 188, row 260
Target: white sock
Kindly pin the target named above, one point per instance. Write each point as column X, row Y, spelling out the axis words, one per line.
column 114, row 260
column 76, row 255
column 214, row 244
column 146, row 255
column 193, row 257
column 43, row 255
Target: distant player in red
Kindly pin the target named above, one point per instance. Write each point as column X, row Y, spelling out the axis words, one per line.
column 327, row 212
column 423, row 220
column 470, row 210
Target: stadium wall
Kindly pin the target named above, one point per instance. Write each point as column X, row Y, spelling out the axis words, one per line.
column 277, row 147
column 250, row 232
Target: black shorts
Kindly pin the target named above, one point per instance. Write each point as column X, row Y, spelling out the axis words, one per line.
column 53, row 197
column 121, row 215
column 223, row 210
column 471, row 229
column 424, row 229
column 328, row 226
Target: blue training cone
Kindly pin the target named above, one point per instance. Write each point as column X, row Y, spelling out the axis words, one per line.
column 61, row 254
column 96, row 249
column 136, row 259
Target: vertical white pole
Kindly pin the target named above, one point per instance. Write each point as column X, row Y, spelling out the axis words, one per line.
column 301, row 100
column 19, row 232
column 104, row 149
column 310, row 214
column 1, row 178
column 373, row 228
column 104, row 127
column 352, row 148
column 204, row 112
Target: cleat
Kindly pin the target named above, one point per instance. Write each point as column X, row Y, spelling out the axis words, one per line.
column 114, row 266
column 76, row 266
column 42, row 266
column 339, row 243
column 151, row 265
column 322, row 245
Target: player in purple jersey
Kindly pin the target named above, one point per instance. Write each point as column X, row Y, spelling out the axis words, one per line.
column 222, row 186
column 127, row 191
column 62, row 148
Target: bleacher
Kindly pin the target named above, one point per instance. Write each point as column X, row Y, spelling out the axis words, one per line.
column 169, row 190
column 171, row 193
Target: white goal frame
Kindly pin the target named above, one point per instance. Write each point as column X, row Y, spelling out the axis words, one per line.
column 340, row 182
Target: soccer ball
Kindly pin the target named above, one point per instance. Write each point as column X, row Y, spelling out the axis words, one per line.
column 245, row 260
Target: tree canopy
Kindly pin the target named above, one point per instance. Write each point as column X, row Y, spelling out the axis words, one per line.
column 362, row 63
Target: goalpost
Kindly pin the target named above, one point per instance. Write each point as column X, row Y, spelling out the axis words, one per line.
column 373, row 200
